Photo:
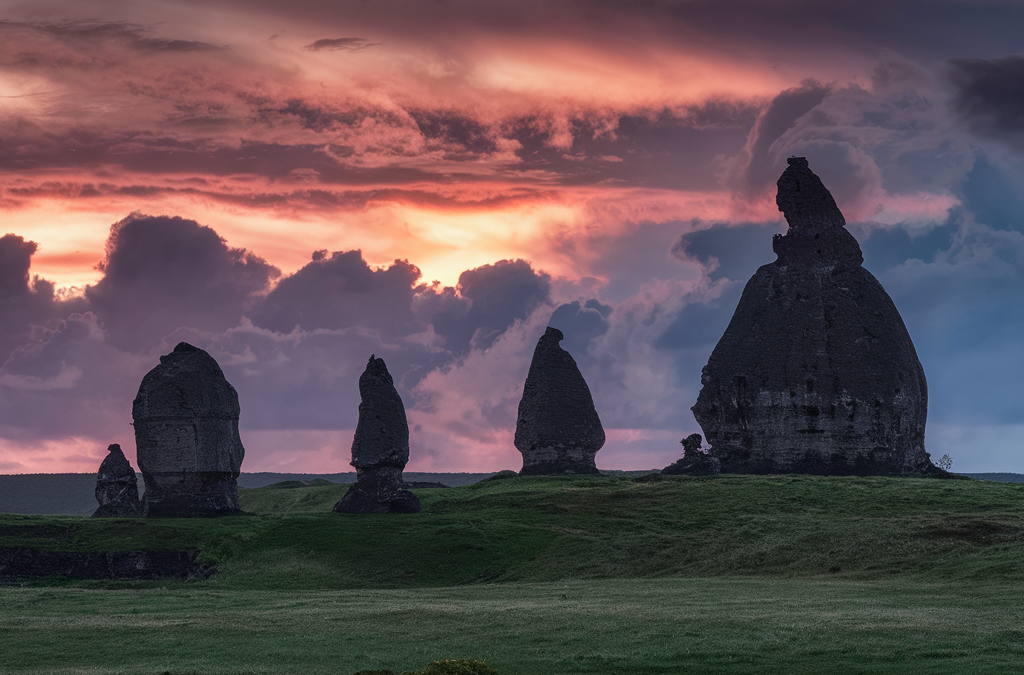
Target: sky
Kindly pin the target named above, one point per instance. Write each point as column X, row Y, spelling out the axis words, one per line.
column 294, row 186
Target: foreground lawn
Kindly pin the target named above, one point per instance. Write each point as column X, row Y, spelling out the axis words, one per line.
column 606, row 627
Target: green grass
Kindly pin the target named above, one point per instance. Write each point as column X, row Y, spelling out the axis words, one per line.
column 729, row 574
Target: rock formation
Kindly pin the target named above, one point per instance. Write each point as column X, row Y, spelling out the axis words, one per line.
column 816, row 372
column 694, row 462
column 380, row 449
column 186, row 435
column 117, row 489
column 558, row 430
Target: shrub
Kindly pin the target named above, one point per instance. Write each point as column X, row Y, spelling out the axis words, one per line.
column 446, row 667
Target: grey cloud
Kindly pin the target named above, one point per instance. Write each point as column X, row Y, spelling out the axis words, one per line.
column 161, row 273
column 26, row 305
column 580, row 324
column 990, row 94
column 780, row 116
column 490, row 299
column 347, row 44
column 341, row 291
column 68, row 382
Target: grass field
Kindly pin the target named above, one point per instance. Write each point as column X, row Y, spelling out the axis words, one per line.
column 731, row 574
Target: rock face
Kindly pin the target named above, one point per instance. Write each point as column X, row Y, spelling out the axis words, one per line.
column 186, row 434
column 380, row 449
column 117, row 489
column 816, row 372
column 558, row 430
column 694, row 462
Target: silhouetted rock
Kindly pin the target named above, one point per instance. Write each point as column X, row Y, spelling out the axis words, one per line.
column 186, row 436
column 816, row 372
column 380, row 449
column 694, row 462
column 117, row 489
column 558, row 430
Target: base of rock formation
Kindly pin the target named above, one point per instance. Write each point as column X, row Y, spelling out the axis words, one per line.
column 694, row 462
column 378, row 491
column 121, row 509
column 188, row 494
column 548, row 461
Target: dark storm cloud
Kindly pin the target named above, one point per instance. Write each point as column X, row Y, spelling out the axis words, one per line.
column 81, row 34
column 455, row 130
column 489, row 300
column 341, row 291
column 780, row 116
column 161, row 273
column 659, row 149
column 580, row 324
column 15, row 261
column 731, row 251
column 990, row 94
column 347, row 44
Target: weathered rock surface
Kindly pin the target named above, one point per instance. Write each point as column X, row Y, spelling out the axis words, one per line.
column 816, row 372
column 694, row 462
column 117, row 488
column 186, row 435
column 380, row 449
column 558, row 430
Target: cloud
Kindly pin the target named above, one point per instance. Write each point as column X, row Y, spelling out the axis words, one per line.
column 26, row 305
column 990, row 94
column 486, row 302
column 346, row 44
column 162, row 273
column 343, row 291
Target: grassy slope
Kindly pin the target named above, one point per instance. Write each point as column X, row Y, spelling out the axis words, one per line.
column 547, row 529
column 729, row 574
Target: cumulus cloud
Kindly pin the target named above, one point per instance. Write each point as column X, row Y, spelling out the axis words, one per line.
column 162, row 273
column 26, row 305
column 343, row 291
column 486, row 302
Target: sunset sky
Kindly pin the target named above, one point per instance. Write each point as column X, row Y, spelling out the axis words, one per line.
column 293, row 186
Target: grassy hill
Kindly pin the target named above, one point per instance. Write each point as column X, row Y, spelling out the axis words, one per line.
column 538, row 576
column 554, row 528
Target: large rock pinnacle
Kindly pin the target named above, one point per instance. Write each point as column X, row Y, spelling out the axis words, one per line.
column 558, row 430
column 380, row 449
column 117, row 488
column 186, row 435
column 816, row 372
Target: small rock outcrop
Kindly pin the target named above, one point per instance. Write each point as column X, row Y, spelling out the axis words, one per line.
column 117, row 488
column 380, row 449
column 558, row 430
column 694, row 462
column 816, row 372
column 186, row 437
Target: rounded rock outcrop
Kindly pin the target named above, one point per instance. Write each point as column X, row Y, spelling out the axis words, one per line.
column 816, row 372
column 186, row 436
column 557, row 430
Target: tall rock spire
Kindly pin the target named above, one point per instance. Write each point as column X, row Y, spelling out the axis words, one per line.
column 816, row 372
column 558, row 430
column 380, row 448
